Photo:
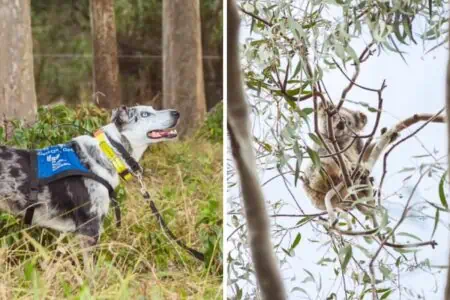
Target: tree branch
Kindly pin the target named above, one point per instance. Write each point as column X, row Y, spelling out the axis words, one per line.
column 386, row 138
column 391, row 233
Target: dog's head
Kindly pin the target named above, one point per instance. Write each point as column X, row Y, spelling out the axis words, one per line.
column 143, row 125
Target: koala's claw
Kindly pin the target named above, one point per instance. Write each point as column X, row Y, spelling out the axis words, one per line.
column 362, row 173
column 394, row 136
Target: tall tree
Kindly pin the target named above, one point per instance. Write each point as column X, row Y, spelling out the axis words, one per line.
column 106, row 69
column 447, row 102
column 17, row 91
column 259, row 235
column 183, row 84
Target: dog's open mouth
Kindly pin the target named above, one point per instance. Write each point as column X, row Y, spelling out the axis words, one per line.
column 162, row 133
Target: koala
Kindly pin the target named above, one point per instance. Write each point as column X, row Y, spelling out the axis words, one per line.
column 346, row 123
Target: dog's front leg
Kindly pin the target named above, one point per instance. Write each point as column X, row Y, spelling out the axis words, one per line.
column 86, row 246
column 88, row 236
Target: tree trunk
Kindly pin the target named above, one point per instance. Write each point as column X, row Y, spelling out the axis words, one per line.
column 17, row 91
column 106, row 69
column 183, row 83
column 447, row 102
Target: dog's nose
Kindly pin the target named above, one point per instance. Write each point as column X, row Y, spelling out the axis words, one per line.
column 175, row 114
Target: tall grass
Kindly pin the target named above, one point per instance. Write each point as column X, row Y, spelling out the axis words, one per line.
column 137, row 260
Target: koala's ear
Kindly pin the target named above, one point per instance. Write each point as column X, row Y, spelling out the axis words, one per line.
column 120, row 116
column 321, row 105
column 363, row 119
column 321, row 108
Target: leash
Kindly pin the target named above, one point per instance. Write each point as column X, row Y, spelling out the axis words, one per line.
column 135, row 169
column 146, row 195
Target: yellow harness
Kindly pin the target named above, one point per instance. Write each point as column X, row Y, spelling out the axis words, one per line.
column 117, row 162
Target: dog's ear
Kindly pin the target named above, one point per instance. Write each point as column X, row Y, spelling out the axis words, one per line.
column 120, row 116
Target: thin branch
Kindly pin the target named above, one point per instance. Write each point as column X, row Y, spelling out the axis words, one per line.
column 374, row 129
column 391, row 233
column 413, row 245
column 299, row 215
column 342, row 165
column 437, row 118
column 354, row 77
column 342, row 151
column 267, row 23
column 355, row 233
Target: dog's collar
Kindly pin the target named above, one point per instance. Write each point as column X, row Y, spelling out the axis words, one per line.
column 117, row 162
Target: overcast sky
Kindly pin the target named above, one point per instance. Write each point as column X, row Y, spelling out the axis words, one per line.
column 414, row 88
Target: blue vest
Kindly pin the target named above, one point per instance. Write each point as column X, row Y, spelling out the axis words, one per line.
column 55, row 160
column 54, row 163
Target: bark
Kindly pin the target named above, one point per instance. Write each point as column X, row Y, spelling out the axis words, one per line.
column 183, row 82
column 106, row 68
column 263, row 256
column 17, row 90
column 447, row 101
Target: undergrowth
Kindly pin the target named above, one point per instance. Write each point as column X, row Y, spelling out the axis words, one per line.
column 137, row 260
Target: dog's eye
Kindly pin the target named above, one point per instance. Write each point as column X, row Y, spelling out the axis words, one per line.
column 145, row 114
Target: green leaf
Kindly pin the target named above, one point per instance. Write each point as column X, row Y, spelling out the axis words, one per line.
column 298, row 68
column 325, row 261
column 352, row 54
column 303, row 221
column 296, row 241
column 387, row 273
column 398, row 261
column 297, row 172
column 386, row 295
column 345, row 254
column 340, row 51
column 441, row 190
column 309, row 278
column 384, row 220
column 307, row 110
column 315, row 138
column 314, row 157
column 408, row 29
column 436, row 222
column 301, row 290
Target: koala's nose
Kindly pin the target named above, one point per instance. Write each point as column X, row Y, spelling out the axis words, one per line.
column 175, row 114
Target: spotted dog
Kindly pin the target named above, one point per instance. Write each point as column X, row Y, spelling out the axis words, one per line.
column 79, row 203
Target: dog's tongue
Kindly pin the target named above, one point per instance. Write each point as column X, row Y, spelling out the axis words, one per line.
column 157, row 134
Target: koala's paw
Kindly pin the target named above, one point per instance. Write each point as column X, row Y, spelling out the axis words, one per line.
column 394, row 137
column 362, row 173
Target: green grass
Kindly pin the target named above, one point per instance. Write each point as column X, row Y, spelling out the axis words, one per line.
column 136, row 261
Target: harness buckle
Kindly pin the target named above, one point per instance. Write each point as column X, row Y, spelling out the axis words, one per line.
column 143, row 190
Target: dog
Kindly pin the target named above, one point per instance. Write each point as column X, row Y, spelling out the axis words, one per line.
column 80, row 203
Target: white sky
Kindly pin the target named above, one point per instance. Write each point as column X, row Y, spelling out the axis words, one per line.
column 414, row 88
